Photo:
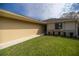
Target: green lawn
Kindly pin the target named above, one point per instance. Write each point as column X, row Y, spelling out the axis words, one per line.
column 44, row 46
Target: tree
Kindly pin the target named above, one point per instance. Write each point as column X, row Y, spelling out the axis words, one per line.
column 71, row 15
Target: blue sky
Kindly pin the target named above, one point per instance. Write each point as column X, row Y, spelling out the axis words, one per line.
column 40, row 11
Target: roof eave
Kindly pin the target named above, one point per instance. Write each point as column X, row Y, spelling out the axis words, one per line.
column 8, row 14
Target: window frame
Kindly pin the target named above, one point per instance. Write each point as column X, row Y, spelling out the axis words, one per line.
column 58, row 25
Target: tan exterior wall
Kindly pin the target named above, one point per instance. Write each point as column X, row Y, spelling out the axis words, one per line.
column 67, row 27
column 11, row 29
column 50, row 26
column 70, row 27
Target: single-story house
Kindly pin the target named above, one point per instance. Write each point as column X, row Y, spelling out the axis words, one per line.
column 63, row 26
column 14, row 26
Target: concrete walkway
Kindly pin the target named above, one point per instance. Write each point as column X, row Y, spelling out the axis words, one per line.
column 16, row 41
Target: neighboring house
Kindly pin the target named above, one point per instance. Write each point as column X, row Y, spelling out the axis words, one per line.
column 65, row 27
column 13, row 26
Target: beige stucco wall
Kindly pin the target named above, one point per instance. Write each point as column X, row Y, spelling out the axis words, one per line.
column 50, row 26
column 11, row 29
column 65, row 25
column 69, row 25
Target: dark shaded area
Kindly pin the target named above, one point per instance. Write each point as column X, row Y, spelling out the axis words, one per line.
column 71, row 34
column 45, row 29
column 64, row 33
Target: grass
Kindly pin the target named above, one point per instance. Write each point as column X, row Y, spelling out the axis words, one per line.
column 44, row 46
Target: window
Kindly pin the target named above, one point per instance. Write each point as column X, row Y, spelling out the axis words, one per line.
column 58, row 25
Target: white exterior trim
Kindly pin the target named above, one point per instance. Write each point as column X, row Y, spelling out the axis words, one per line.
column 16, row 41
